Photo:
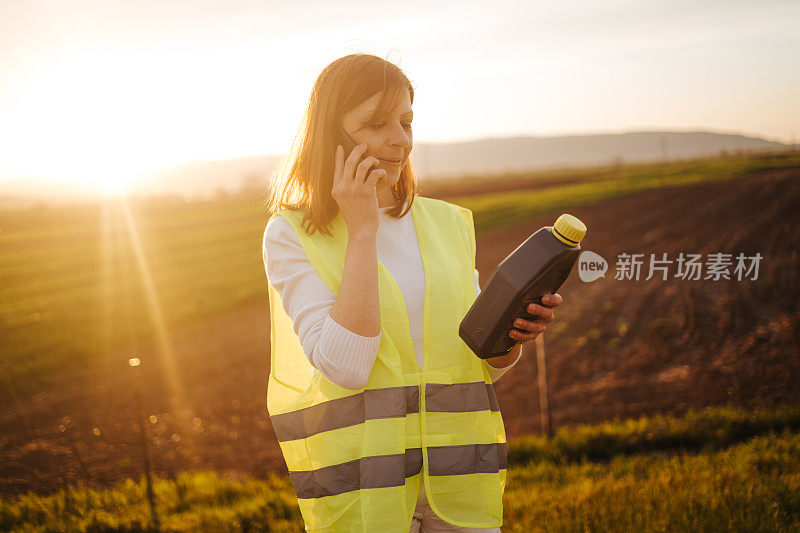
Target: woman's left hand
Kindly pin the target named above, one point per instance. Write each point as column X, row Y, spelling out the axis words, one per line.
column 530, row 329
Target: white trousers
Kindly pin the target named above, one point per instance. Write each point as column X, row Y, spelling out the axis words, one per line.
column 426, row 521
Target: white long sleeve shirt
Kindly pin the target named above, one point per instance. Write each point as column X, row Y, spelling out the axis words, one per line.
column 342, row 356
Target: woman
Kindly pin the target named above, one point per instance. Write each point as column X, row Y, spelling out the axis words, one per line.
column 386, row 419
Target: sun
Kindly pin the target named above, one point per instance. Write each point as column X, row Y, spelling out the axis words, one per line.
column 76, row 123
column 112, row 187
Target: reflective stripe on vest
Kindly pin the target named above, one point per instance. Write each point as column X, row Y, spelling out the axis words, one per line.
column 391, row 470
column 356, row 458
column 389, row 402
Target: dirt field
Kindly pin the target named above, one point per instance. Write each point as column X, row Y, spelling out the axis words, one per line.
column 686, row 343
column 617, row 347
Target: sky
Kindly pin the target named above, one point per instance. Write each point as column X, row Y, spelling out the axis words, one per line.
column 95, row 86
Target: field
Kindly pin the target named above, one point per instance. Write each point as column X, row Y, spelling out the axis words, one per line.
column 181, row 286
column 743, row 476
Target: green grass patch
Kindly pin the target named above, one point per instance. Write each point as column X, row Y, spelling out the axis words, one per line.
column 74, row 282
column 192, row 502
column 754, row 486
column 709, row 429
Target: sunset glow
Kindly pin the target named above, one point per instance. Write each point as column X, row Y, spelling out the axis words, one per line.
column 106, row 93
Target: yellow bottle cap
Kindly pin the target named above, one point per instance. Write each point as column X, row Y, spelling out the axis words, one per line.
column 569, row 230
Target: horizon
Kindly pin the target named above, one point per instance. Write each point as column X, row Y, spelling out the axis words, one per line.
column 418, row 143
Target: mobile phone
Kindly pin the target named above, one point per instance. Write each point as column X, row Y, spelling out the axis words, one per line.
column 348, row 144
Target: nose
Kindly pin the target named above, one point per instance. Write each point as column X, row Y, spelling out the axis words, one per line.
column 399, row 137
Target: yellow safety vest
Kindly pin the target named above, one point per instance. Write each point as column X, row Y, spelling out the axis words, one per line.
column 356, row 458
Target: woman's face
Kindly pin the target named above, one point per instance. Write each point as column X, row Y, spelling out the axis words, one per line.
column 388, row 138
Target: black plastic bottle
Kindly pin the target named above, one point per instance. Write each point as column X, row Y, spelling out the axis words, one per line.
column 538, row 266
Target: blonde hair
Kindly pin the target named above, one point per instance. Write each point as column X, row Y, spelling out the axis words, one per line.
column 304, row 179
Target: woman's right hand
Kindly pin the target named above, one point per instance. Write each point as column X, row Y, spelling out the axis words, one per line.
column 354, row 190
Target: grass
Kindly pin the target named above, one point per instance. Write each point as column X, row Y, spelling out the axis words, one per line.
column 191, row 502
column 706, row 430
column 754, row 486
column 71, row 289
column 745, row 477
column 71, row 285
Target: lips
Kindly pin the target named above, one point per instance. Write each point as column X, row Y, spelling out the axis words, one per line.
column 391, row 161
